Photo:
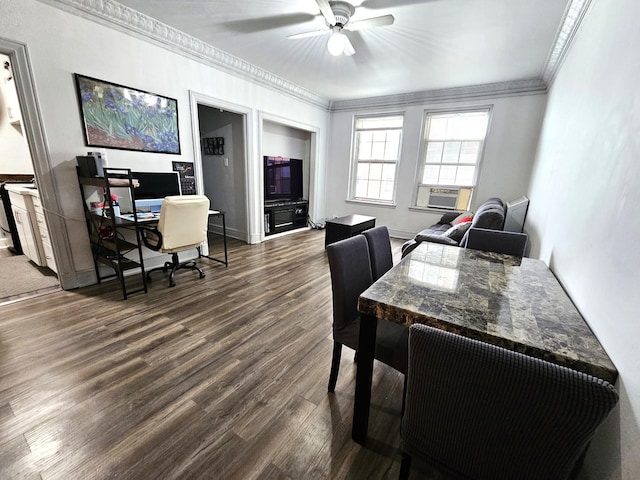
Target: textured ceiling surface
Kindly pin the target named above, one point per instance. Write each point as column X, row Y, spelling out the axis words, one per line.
column 433, row 44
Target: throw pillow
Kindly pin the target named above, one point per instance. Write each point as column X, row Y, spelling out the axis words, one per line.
column 457, row 231
column 464, row 220
column 462, row 216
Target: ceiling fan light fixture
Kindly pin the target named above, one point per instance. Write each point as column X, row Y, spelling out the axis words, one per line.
column 335, row 45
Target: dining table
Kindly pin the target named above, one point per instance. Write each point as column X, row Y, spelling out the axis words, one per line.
column 512, row 302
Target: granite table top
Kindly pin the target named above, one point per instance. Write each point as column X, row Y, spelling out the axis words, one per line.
column 512, row 302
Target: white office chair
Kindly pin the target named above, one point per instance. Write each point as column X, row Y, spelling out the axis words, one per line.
column 182, row 226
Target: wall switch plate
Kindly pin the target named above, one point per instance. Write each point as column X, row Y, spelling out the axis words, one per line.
column 226, row 161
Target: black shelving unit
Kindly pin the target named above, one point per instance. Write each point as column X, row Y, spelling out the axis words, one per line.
column 106, row 231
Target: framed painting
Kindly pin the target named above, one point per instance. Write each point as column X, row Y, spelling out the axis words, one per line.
column 115, row 116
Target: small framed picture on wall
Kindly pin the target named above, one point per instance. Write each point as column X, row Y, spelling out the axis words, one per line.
column 213, row 146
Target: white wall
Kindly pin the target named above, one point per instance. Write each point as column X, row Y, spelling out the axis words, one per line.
column 15, row 158
column 584, row 219
column 61, row 44
column 509, row 154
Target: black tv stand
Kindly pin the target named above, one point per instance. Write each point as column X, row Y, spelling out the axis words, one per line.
column 284, row 215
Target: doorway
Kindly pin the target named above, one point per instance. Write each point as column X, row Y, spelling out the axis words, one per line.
column 24, row 270
column 221, row 134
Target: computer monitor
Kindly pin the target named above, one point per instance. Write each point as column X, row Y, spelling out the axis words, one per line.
column 153, row 187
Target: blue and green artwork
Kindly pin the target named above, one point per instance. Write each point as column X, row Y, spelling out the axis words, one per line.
column 115, row 116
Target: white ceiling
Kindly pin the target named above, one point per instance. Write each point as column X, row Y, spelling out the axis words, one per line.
column 433, row 44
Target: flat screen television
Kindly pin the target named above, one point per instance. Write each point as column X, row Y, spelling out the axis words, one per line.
column 282, row 178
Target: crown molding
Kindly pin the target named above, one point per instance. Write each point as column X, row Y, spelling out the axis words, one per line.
column 573, row 16
column 571, row 21
column 490, row 90
column 120, row 17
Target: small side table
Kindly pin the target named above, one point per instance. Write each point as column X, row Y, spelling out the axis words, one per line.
column 344, row 227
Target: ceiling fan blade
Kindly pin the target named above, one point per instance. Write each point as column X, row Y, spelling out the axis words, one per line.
column 384, row 4
column 348, row 47
column 254, row 25
column 326, row 11
column 314, row 33
column 370, row 23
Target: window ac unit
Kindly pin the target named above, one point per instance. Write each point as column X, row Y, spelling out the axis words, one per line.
column 447, row 198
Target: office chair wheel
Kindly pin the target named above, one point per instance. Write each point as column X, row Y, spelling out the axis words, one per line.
column 202, row 275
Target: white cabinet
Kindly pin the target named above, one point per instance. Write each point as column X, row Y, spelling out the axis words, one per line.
column 24, row 212
column 25, row 232
column 47, row 250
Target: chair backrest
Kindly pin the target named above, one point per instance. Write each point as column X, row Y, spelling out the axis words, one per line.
column 498, row 241
column 350, row 276
column 183, row 221
column 490, row 413
column 379, row 250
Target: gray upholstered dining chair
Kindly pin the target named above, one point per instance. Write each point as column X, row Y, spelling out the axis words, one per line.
column 485, row 412
column 498, row 241
column 350, row 276
column 380, row 253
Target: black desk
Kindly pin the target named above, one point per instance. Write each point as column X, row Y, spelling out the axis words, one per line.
column 345, row 227
column 225, row 262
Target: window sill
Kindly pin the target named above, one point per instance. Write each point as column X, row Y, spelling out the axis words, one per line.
column 372, row 203
column 439, row 211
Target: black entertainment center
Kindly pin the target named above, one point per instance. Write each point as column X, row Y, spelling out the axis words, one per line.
column 283, row 216
column 284, row 207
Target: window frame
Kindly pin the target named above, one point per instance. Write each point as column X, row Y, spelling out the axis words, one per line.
column 354, row 161
column 422, row 163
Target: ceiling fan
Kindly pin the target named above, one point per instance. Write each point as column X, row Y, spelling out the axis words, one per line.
column 337, row 15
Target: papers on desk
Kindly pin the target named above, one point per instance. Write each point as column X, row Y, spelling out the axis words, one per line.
column 141, row 216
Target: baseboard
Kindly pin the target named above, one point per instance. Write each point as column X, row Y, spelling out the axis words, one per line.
column 402, row 234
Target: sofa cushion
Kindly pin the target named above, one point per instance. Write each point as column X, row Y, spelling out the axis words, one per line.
column 495, row 201
column 489, row 216
column 448, row 217
column 437, row 229
column 436, row 238
column 457, row 231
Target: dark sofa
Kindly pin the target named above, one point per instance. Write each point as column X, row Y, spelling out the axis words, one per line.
column 453, row 227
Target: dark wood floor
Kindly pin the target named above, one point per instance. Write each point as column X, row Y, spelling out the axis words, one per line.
column 224, row 377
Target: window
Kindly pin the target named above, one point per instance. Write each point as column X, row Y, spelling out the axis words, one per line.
column 452, row 152
column 376, row 153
